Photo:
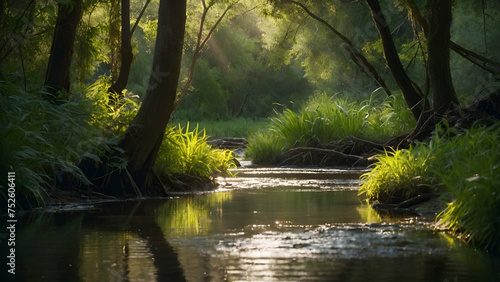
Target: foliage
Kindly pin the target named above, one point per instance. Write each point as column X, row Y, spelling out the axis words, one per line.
column 462, row 165
column 184, row 151
column 43, row 143
column 111, row 114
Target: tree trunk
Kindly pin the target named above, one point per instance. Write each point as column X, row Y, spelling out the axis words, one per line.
column 58, row 72
column 126, row 51
column 414, row 99
column 145, row 133
column 438, row 14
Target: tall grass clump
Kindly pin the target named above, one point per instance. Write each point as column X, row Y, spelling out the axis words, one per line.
column 325, row 119
column 43, row 143
column 461, row 165
column 400, row 175
column 185, row 151
column 472, row 179
column 264, row 148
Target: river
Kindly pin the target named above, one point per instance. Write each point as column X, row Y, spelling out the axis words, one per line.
column 266, row 224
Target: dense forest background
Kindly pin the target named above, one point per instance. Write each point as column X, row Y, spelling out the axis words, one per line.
column 259, row 57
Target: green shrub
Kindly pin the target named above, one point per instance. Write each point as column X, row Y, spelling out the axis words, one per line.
column 114, row 116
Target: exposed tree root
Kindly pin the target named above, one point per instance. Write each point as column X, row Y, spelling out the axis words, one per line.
column 319, row 156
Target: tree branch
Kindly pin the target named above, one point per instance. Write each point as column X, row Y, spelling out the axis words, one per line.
column 355, row 55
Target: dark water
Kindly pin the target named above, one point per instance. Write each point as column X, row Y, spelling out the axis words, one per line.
column 264, row 225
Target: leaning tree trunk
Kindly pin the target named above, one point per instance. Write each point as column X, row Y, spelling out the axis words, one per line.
column 126, row 51
column 438, row 15
column 414, row 99
column 145, row 133
column 58, row 72
column 356, row 56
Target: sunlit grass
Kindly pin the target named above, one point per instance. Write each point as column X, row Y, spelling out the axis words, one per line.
column 461, row 165
column 187, row 151
column 325, row 119
column 400, row 175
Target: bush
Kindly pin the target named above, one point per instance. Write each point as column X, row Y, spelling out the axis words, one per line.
column 400, row 175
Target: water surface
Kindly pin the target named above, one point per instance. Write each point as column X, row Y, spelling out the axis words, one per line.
column 264, row 225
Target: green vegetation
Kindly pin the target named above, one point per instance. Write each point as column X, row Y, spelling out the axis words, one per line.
column 325, row 119
column 462, row 166
column 43, row 143
column 238, row 127
column 185, row 151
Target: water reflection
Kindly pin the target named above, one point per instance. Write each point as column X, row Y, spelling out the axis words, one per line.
column 115, row 242
column 286, row 232
column 191, row 215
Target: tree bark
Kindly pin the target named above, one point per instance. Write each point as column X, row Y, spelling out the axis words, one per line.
column 438, row 48
column 145, row 133
column 58, row 72
column 413, row 98
column 126, row 51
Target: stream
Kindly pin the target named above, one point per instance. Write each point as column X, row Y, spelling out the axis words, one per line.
column 265, row 224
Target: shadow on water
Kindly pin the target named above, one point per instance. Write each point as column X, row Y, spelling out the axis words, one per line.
column 115, row 242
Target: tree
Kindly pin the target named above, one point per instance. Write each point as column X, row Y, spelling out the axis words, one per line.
column 201, row 41
column 143, row 137
column 126, row 47
column 438, row 17
column 414, row 98
column 58, row 73
column 356, row 56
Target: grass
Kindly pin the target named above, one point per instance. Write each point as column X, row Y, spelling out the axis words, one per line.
column 264, row 147
column 185, row 151
column 239, row 127
column 400, row 175
column 462, row 166
column 43, row 143
column 325, row 119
